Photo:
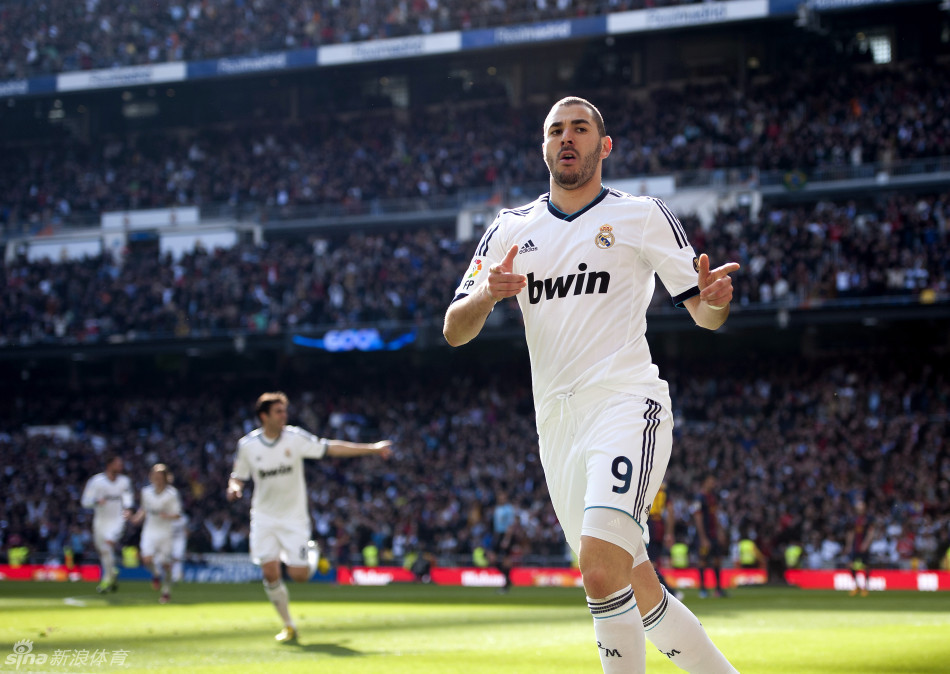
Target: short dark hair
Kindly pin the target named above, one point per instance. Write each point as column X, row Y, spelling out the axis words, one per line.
column 267, row 400
column 594, row 112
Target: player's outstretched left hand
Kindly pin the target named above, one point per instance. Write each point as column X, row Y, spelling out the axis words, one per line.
column 715, row 287
column 384, row 448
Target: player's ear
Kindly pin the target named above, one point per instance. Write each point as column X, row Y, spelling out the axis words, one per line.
column 607, row 144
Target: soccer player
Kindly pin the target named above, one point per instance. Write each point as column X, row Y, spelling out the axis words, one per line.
column 109, row 495
column 280, row 521
column 857, row 543
column 160, row 507
column 713, row 542
column 661, row 524
column 581, row 261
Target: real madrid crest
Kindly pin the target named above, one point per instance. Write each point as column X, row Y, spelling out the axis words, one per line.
column 605, row 237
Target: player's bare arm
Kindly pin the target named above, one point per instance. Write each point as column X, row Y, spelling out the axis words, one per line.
column 342, row 448
column 710, row 308
column 466, row 318
column 235, row 489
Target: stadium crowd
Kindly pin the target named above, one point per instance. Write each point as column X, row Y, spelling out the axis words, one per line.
column 790, row 256
column 61, row 36
column 793, row 449
column 794, row 123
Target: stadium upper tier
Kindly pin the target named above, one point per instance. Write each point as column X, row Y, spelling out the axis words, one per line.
column 61, row 35
column 791, row 257
column 797, row 122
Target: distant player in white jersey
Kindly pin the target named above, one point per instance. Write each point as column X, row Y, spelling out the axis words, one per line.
column 160, row 508
column 581, row 261
column 273, row 457
column 109, row 494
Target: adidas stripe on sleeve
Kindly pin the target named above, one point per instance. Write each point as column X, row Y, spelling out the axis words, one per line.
column 668, row 251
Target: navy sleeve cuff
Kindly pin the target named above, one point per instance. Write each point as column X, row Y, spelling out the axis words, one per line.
column 682, row 297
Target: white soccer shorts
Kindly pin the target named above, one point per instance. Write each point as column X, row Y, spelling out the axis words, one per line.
column 604, row 459
column 157, row 546
column 106, row 533
column 272, row 540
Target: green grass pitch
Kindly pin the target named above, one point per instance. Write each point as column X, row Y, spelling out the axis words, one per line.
column 420, row 629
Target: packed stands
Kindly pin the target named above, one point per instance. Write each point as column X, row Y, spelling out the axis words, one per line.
column 785, row 123
column 62, row 36
column 793, row 449
column 790, row 256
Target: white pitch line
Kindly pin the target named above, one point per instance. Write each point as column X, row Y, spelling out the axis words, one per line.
column 72, row 601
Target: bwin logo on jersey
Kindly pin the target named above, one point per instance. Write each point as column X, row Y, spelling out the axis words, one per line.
column 282, row 469
column 571, row 284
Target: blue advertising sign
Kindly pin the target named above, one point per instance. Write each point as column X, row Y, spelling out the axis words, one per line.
column 366, row 339
column 534, row 32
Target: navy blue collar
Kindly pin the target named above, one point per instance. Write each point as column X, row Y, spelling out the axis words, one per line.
column 561, row 215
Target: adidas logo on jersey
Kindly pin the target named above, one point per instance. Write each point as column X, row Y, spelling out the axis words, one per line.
column 527, row 247
column 615, row 523
column 571, row 284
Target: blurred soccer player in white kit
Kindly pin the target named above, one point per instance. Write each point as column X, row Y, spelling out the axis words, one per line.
column 109, row 495
column 273, row 457
column 160, row 508
column 586, row 255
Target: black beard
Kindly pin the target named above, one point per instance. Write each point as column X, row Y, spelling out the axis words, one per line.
column 581, row 174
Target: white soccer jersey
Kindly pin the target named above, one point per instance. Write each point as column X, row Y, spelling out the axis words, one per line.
column 116, row 496
column 280, row 492
column 156, row 505
column 590, row 281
